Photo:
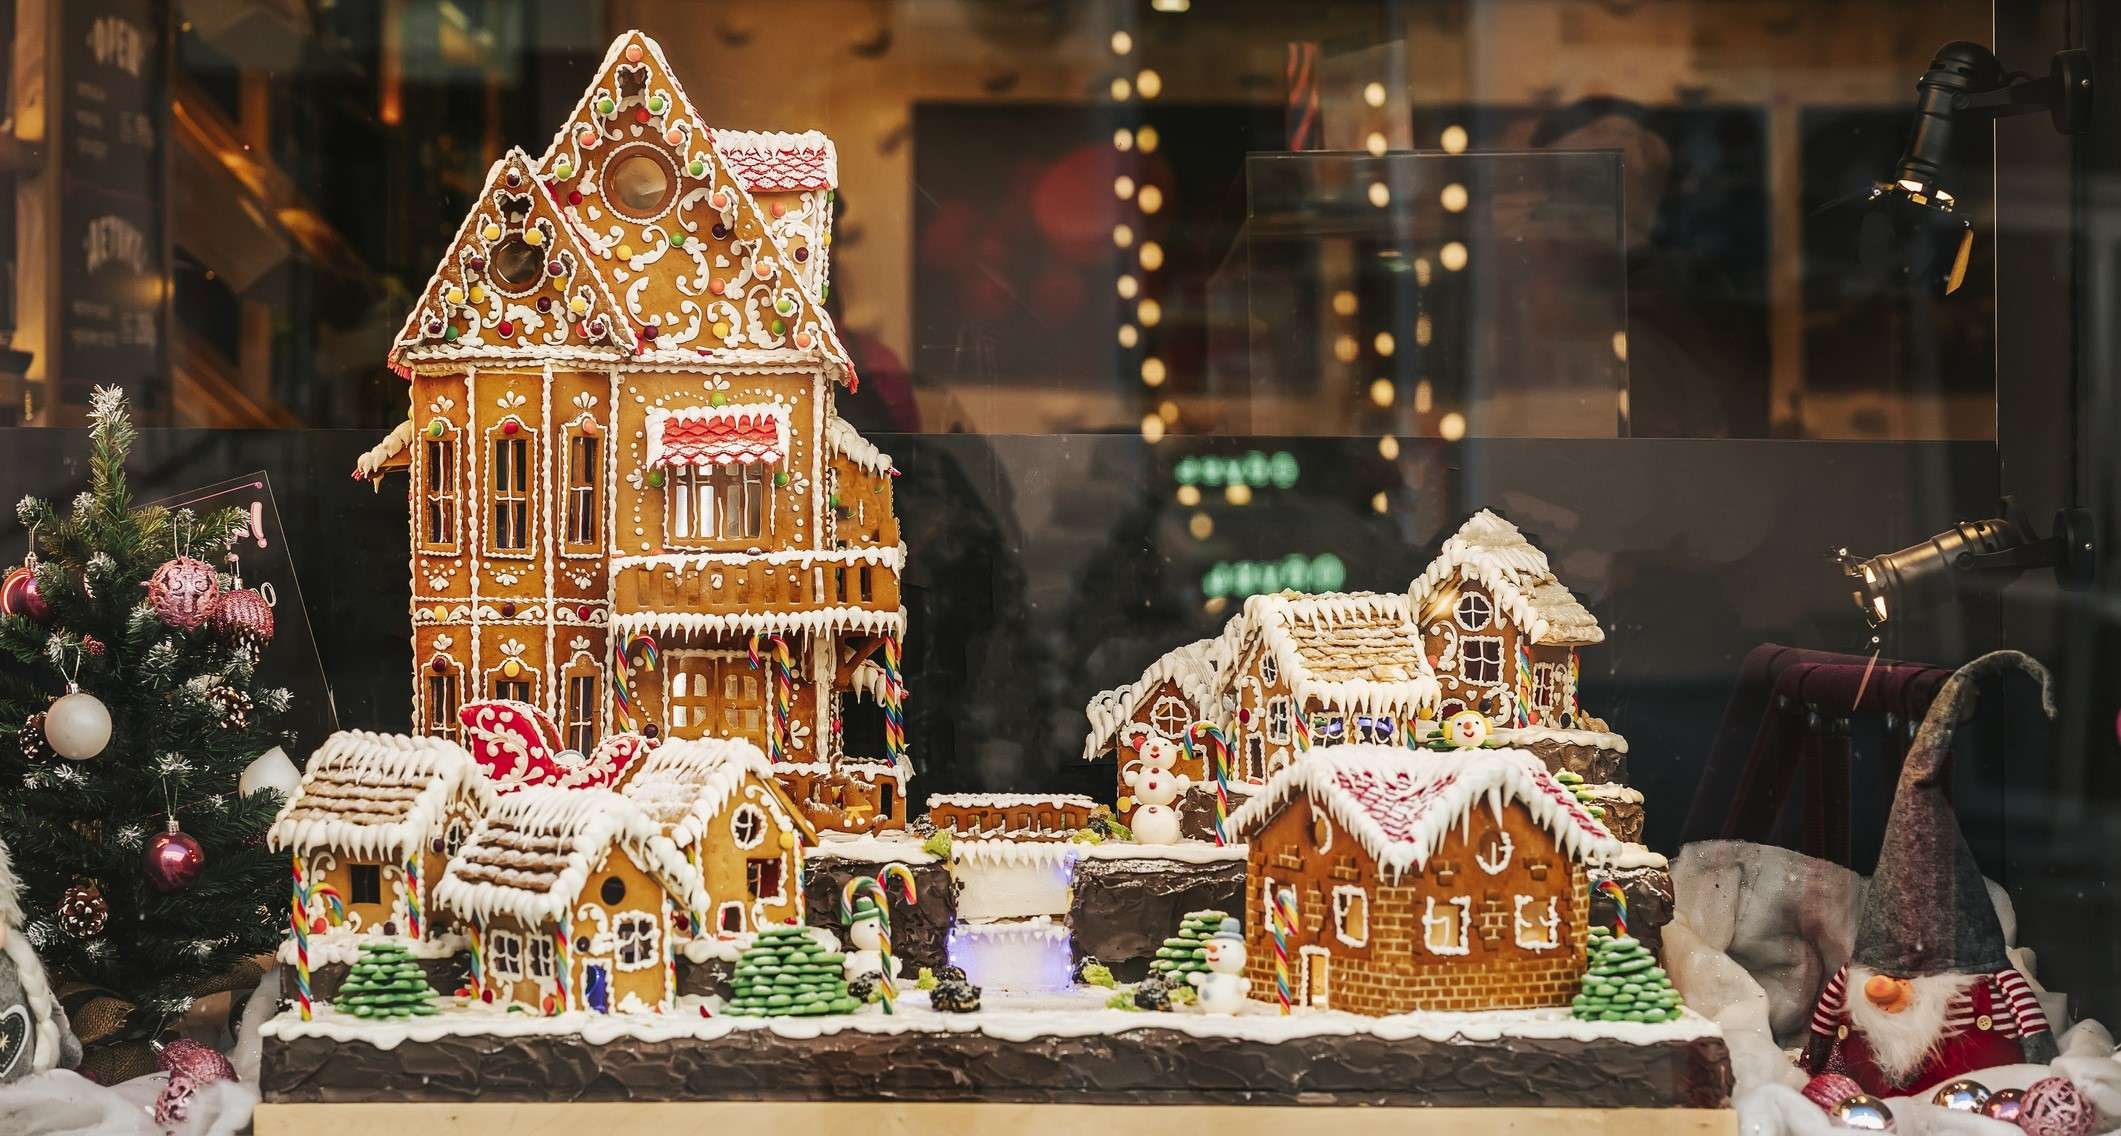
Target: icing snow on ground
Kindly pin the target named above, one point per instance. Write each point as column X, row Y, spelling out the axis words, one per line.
column 1011, row 1017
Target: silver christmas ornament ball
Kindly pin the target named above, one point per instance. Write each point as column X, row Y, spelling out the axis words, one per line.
column 1863, row 1112
column 1961, row 1095
column 2003, row 1105
column 77, row 725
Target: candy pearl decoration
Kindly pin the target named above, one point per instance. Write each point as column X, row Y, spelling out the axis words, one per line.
column 533, row 237
column 270, row 770
column 1962, row 1095
column 491, row 232
column 2053, row 1107
column 77, row 726
column 1863, row 1112
column 2004, row 1105
column 633, row 53
column 174, row 860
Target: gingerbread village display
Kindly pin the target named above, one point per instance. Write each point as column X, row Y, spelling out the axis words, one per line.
column 654, row 576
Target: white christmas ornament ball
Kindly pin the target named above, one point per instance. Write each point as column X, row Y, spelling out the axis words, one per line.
column 77, row 726
column 272, row 770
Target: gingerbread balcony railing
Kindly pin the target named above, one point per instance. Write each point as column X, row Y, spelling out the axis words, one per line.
column 854, row 588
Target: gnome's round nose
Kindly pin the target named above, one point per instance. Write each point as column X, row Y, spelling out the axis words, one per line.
column 1887, row 993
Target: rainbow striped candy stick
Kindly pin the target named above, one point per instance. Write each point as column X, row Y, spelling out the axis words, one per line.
column 298, row 922
column 887, row 990
column 1303, row 732
column 1523, row 716
column 562, row 968
column 894, row 701
column 758, row 663
column 1219, row 756
column 783, row 691
column 1279, row 921
column 478, row 959
column 1620, row 906
column 1575, row 710
column 622, row 689
column 414, row 917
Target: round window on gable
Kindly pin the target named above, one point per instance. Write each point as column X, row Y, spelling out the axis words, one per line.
column 614, row 891
column 1474, row 611
column 515, row 265
column 639, row 184
column 747, row 826
column 1170, row 717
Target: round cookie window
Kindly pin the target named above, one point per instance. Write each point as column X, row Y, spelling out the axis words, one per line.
column 639, row 184
column 516, row 264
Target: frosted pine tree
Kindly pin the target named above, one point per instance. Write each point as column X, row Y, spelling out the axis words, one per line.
column 386, row 982
column 1185, row 952
column 786, row 971
column 1624, row 983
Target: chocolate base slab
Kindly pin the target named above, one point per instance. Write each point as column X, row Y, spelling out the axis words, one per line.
column 1145, row 1066
column 1123, row 910
column 920, row 931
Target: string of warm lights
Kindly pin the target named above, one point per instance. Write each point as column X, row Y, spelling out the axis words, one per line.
column 1141, row 256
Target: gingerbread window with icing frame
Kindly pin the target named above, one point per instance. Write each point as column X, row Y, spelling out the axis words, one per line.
column 583, row 488
column 583, row 702
column 511, row 490
column 440, row 482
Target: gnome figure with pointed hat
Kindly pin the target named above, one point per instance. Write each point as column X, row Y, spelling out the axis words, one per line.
column 1929, row 995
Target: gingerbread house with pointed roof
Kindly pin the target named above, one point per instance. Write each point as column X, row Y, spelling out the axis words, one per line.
column 719, row 803
column 1416, row 880
column 633, row 503
column 572, row 898
column 370, row 829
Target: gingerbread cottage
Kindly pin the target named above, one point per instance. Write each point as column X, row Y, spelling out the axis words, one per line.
column 370, row 830
column 718, row 802
column 571, row 898
column 633, row 503
column 1419, row 880
column 1180, row 688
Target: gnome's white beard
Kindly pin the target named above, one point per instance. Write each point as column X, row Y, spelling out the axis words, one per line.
column 1901, row 1042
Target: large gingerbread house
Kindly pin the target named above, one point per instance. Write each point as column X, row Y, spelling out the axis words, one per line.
column 1420, row 880
column 718, row 802
column 572, row 899
column 633, row 503
column 370, row 830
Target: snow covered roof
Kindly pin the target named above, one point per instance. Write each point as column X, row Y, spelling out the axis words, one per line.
column 687, row 782
column 815, row 621
column 377, row 796
column 1009, row 800
column 1400, row 803
column 1490, row 551
column 870, row 769
column 767, row 161
column 847, row 442
column 1196, row 668
column 534, row 853
column 1349, row 651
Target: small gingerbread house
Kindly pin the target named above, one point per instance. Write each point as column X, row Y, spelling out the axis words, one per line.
column 1419, row 880
column 858, row 795
column 1183, row 686
column 1497, row 622
column 1010, row 816
column 572, row 898
column 371, row 828
column 718, row 801
column 1318, row 670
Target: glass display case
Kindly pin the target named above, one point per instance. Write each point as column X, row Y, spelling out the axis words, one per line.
column 937, row 555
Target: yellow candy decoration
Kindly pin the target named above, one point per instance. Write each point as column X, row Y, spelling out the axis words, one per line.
column 454, row 295
column 578, row 305
column 491, row 232
column 721, row 329
column 625, row 252
column 478, row 294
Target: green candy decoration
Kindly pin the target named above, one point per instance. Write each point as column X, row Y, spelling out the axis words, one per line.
column 1186, row 952
column 780, row 479
column 1624, row 984
column 787, row 972
column 697, row 168
column 606, row 106
column 655, row 479
column 717, row 399
column 386, row 982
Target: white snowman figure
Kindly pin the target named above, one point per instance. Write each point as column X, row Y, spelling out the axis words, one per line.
column 1223, row 986
column 1155, row 787
column 866, row 932
column 1467, row 729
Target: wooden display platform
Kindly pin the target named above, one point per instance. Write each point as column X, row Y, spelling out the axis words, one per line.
column 925, row 1119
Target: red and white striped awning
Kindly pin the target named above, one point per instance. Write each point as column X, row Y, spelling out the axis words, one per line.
column 719, row 435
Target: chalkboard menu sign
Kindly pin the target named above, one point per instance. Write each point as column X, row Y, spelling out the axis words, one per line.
column 114, row 251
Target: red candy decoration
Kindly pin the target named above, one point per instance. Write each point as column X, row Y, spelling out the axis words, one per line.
column 507, row 328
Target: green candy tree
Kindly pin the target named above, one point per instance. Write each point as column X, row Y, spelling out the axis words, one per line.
column 385, row 982
column 188, row 710
column 787, row 972
column 1185, row 953
column 1624, row 983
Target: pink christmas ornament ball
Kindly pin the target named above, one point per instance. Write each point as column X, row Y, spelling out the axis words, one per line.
column 2003, row 1105
column 182, row 592
column 2054, row 1107
column 202, row 1063
column 1829, row 1089
column 173, row 860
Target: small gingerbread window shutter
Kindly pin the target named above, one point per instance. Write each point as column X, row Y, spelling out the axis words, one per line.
column 722, row 435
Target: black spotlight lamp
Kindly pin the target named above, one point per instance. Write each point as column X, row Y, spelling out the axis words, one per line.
column 1909, row 227
column 1971, row 556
